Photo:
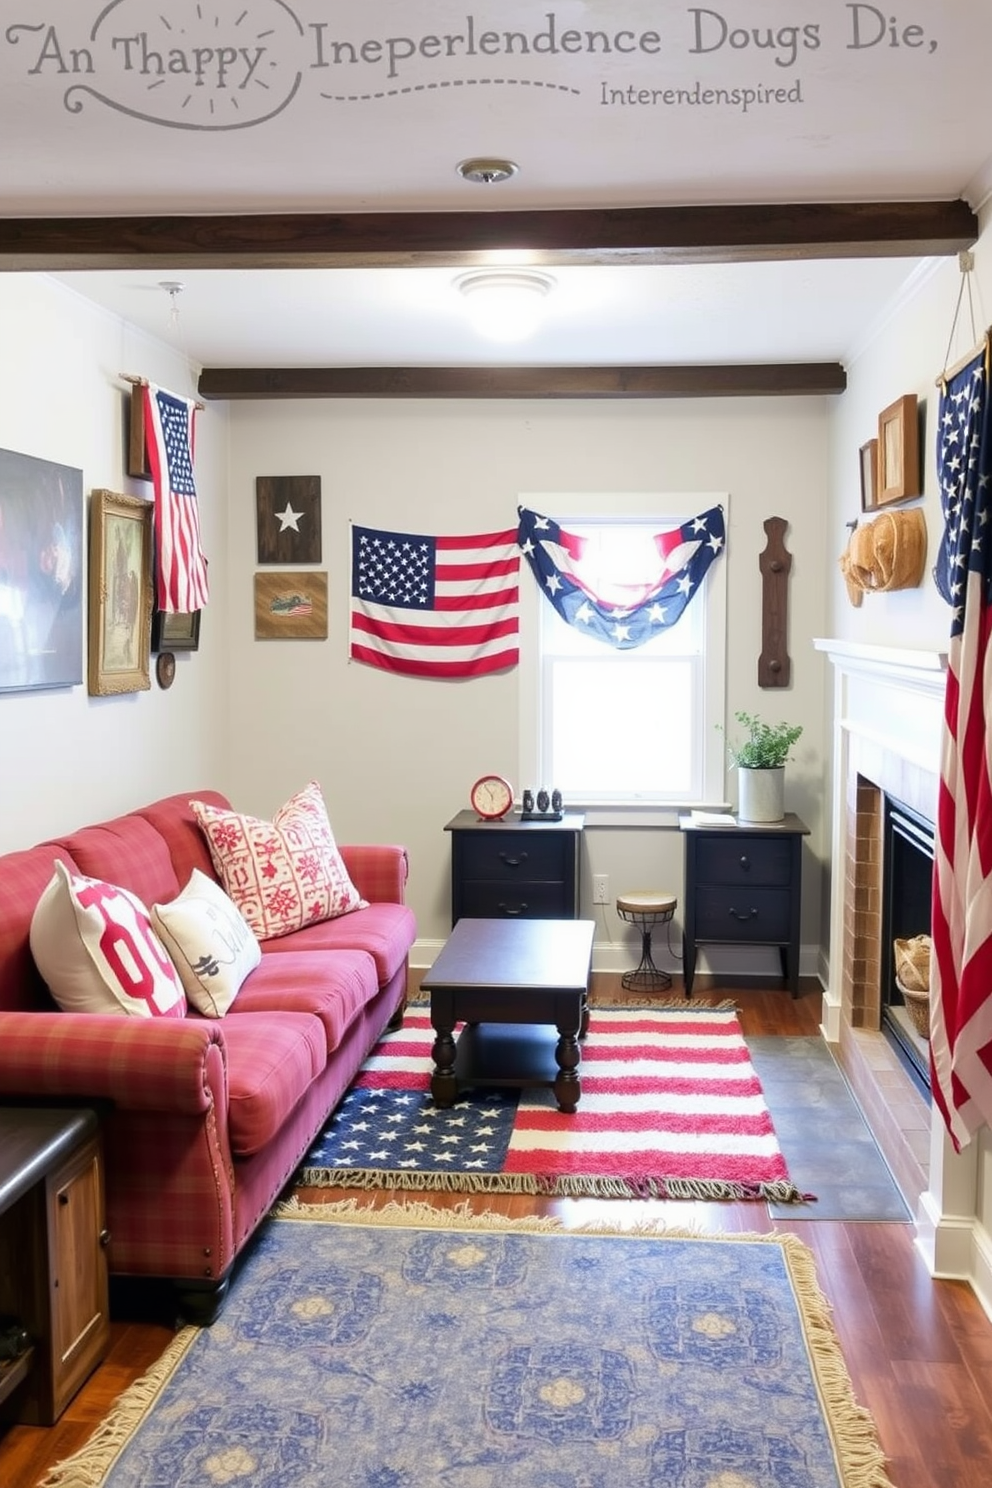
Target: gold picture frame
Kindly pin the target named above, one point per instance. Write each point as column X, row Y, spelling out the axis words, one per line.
column 898, row 452
column 869, row 475
column 291, row 605
column 120, row 593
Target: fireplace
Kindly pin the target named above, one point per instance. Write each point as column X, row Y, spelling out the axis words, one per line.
column 907, row 880
column 888, row 715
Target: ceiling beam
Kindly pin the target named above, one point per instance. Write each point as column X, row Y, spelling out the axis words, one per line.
column 628, row 235
column 760, row 380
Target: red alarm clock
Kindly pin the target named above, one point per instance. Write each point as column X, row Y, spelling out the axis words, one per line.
column 491, row 797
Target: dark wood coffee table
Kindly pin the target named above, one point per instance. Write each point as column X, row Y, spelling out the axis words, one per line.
column 520, row 987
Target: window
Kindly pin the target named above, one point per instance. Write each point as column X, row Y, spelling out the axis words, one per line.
column 626, row 729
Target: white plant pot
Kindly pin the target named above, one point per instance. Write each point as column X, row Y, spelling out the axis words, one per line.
column 762, row 794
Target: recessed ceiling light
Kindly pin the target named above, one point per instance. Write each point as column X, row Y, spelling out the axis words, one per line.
column 505, row 306
column 486, row 171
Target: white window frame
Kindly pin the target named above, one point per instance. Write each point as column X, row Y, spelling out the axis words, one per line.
column 665, row 510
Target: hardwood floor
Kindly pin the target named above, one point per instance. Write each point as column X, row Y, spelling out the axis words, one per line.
column 919, row 1351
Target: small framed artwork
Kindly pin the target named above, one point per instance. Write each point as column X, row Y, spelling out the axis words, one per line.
column 898, row 451
column 869, row 475
column 176, row 632
column 120, row 593
column 137, row 450
column 291, row 606
column 287, row 514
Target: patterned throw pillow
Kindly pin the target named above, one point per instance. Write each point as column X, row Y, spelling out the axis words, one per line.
column 211, row 944
column 95, row 947
column 282, row 874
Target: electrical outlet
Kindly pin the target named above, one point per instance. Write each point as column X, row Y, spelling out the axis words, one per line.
column 600, row 888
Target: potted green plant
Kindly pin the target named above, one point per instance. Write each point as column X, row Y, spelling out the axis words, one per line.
column 759, row 755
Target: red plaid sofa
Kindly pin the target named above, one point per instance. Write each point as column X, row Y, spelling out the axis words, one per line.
column 205, row 1120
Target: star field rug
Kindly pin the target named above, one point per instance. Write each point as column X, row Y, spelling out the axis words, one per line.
column 412, row 1348
column 671, row 1107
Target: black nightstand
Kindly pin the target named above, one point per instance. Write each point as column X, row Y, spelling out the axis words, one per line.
column 743, row 886
column 515, row 869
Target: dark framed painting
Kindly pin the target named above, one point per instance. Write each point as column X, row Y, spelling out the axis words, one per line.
column 869, row 475
column 287, row 513
column 120, row 593
column 41, row 573
column 176, row 632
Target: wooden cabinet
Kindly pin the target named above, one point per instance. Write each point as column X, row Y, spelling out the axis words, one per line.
column 53, row 1267
column 743, row 886
column 515, row 869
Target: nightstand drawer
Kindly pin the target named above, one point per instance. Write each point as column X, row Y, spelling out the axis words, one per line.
column 749, row 860
column 743, row 914
column 520, row 900
column 512, row 856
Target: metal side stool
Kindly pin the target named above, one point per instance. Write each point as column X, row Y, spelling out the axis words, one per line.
column 646, row 908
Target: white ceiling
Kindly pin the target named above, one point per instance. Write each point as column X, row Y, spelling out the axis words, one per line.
column 368, row 107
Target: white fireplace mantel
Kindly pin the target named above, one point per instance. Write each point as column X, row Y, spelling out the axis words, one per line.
column 925, row 670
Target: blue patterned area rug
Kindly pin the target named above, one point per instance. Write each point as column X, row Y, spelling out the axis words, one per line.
column 418, row 1348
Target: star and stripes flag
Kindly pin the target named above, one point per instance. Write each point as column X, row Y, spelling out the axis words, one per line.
column 622, row 615
column 180, row 568
column 442, row 607
column 961, row 922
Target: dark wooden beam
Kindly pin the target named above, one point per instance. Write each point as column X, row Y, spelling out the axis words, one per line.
column 787, row 379
column 709, row 234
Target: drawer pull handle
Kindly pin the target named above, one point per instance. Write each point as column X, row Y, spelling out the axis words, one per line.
column 745, row 862
column 737, row 914
column 512, row 862
column 521, row 909
column 104, row 1238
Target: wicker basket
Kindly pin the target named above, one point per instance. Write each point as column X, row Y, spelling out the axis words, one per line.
column 917, row 1006
column 912, row 958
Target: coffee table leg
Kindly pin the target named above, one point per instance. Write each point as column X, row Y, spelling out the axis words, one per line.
column 567, row 1086
column 444, row 1086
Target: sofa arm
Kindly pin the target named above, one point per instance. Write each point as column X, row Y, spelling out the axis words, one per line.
column 379, row 871
column 139, row 1064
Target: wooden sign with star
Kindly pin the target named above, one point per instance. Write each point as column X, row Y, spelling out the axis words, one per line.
column 287, row 508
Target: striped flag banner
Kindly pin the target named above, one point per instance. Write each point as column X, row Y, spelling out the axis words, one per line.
column 671, row 1107
column 961, row 963
column 180, row 567
column 443, row 607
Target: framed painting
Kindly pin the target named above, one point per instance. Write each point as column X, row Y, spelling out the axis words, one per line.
column 176, row 632
column 869, row 475
column 120, row 602
column 138, row 463
column 898, row 451
column 41, row 573
column 291, row 606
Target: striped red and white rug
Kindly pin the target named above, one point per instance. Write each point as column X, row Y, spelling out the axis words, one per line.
column 671, row 1107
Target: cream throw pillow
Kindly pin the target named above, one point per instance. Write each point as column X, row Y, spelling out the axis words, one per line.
column 95, row 947
column 282, row 874
column 211, row 944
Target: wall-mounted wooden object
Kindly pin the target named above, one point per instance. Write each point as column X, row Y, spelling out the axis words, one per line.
column 774, row 667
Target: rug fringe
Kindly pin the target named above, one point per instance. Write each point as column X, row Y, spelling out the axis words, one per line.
column 624, row 1000
column 567, row 1186
column 88, row 1467
column 858, row 1453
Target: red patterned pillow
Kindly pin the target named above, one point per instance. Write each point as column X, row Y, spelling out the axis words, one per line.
column 95, row 947
column 282, row 874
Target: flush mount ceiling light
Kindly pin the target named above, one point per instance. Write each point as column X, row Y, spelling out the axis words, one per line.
column 505, row 305
column 487, row 171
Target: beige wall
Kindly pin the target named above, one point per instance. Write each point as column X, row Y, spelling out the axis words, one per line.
column 396, row 756
column 67, row 758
